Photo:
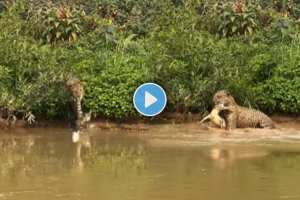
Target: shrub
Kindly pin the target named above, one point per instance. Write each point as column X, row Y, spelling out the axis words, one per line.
column 111, row 78
column 276, row 78
column 232, row 18
column 114, row 46
column 282, row 29
column 133, row 16
column 52, row 24
column 28, row 70
column 193, row 65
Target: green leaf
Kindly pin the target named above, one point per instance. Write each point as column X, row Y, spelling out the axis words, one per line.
column 58, row 34
column 234, row 29
column 74, row 36
column 56, row 24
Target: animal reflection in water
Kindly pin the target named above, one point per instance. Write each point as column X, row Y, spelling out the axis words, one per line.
column 225, row 157
column 82, row 142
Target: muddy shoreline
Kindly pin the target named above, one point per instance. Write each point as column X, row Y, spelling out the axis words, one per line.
column 282, row 121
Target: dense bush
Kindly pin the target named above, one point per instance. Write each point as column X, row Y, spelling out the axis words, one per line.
column 111, row 78
column 276, row 75
column 57, row 24
column 191, row 48
column 27, row 71
column 233, row 18
column 191, row 66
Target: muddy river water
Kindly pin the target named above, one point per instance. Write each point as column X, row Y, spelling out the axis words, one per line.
column 164, row 162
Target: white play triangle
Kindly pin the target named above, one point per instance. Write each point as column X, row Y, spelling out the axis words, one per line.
column 149, row 99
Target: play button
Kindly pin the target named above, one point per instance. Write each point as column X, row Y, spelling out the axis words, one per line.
column 149, row 99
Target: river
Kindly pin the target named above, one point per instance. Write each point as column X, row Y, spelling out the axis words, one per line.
column 164, row 162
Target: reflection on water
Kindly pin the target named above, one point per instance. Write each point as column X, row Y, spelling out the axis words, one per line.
column 107, row 156
column 166, row 162
column 226, row 157
column 81, row 142
column 23, row 155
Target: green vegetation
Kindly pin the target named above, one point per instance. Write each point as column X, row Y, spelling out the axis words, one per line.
column 191, row 48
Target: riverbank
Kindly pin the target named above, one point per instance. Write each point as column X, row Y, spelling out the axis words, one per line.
column 190, row 120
